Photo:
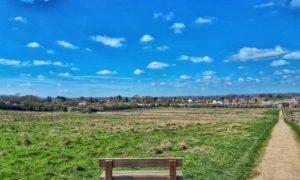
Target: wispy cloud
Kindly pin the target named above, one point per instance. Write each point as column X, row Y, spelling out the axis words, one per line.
column 162, row 48
column 177, row 27
column 280, row 62
column 10, row 62
column 252, row 53
column 106, row 72
column 185, row 77
column 157, row 65
column 109, row 41
column 41, row 62
column 208, row 75
column 49, row 51
column 47, row 62
column 146, row 38
column 66, row 44
column 295, row 3
column 138, row 72
column 25, row 75
column 201, row 59
column 284, row 72
column 33, row 45
column 204, row 59
column 75, row 69
column 292, row 55
column 65, row 74
column 168, row 16
column 265, row 5
column 204, row 20
column 19, row 19
column 28, row 1
column 184, row 58
column 40, row 77
column 88, row 50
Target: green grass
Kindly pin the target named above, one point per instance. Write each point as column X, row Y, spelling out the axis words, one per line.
column 294, row 126
column 42, row 148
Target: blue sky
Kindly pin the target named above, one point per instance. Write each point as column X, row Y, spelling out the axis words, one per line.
column 142, row 47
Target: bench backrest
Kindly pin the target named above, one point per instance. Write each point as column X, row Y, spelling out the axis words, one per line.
column 141, row 162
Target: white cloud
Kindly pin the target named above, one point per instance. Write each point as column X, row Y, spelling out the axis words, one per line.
column 33, row 45
column 241, row 79
column 162, row 48
column 66, row 74
column 168, row 17
column 41, row 62
column 146, row 38
column 252, row 53
column 75, row 69
column 284, row 72
column 177, row 27
column 106, row 72
column 265, row 5
column 185, row 77
column 10, row 62
column 157, row 65
column 204, row 20
column 58, row 63
column 184, row 58
column 108, row 41
column 138, row 72
column 40, row 77
column 19, row 19
column 45, row 62
column 292, row 55
column 25, row 75
column 49, row 51
column 88, row 50
column 27, row 84
column 295, row 3
column 66, row 44
column 241, row 67
column 280, row 62
column 208, row 75
column 27, row 1
column 204, row 59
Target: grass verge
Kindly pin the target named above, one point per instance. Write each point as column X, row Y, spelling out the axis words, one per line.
column 294, row 126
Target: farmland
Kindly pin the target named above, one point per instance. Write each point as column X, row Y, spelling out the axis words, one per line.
column 215, row 143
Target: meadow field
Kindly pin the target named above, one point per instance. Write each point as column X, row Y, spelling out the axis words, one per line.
column 215, row 143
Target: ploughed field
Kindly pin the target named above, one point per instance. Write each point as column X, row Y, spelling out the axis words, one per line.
column 215, row 143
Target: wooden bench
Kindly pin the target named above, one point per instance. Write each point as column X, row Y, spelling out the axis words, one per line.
column 110, row 163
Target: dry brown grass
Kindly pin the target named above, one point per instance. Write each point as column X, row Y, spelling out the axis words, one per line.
column 143, row 119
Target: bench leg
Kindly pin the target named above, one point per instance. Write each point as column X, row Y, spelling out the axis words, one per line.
column 172, row 166
column 108, row 169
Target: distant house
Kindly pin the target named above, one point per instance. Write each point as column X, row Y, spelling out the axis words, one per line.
column 82, row 103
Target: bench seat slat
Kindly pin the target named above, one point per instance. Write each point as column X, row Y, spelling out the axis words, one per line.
column 142, row 175
column 141, row 162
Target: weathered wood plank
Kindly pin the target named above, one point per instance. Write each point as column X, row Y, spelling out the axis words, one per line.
column 108, row 170
column 141, row 162
column 142, row 175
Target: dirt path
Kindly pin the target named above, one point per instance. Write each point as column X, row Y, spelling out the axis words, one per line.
column 281, row 159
